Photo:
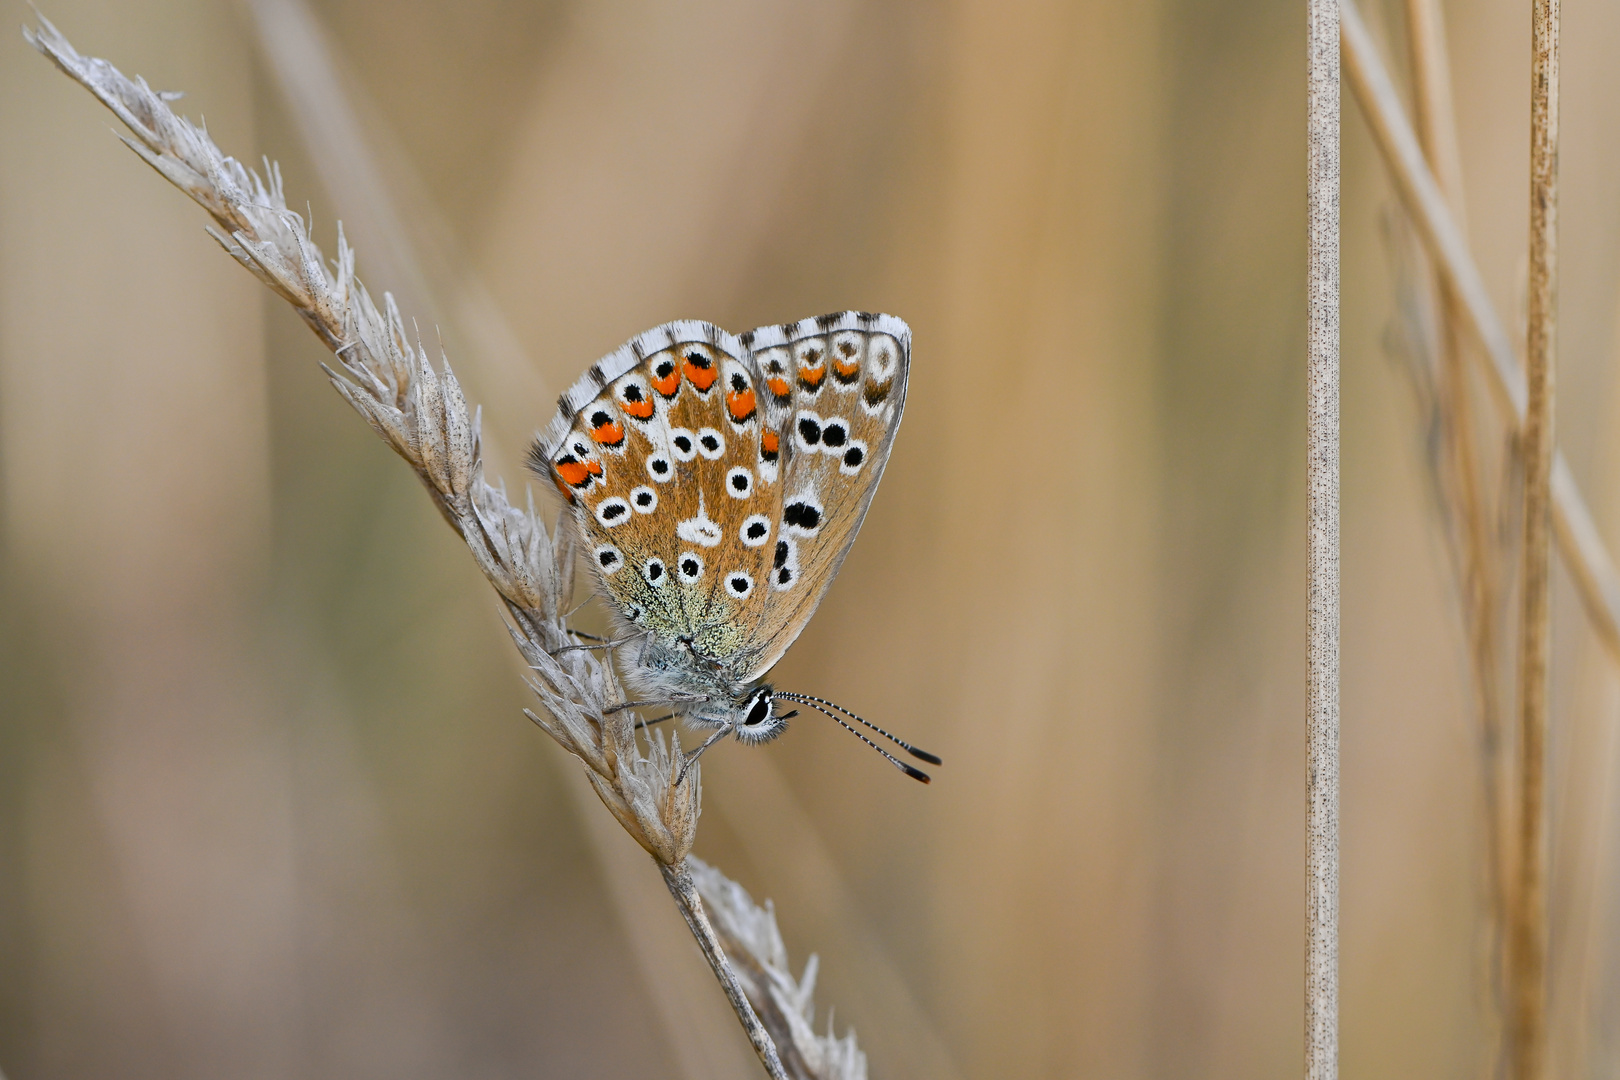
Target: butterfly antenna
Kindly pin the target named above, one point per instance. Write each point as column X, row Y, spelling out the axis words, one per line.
column 914, row 773
column 806, row 699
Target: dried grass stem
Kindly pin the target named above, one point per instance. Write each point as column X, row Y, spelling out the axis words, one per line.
column 1322, row 407
column 1527, row 940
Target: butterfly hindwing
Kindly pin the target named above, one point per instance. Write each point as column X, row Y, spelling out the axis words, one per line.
column 719, row 481
column 845, row 382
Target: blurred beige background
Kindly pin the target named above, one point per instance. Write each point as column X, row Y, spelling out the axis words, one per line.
column 268, row 806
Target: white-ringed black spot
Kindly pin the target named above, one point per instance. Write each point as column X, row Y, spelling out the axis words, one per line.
column 834, row 434
column 600, row 417
column 755, row 530
column 854, row 457
column 644, row 499
column 609, row 558
column 659, row 468
column 739, row 584
column 689, row 567
column 613, row 511
column 739, row 482
column 807, row 428
column 581, row 449
column 784, row 565
column 802, row 517
column 682, row 444
column 653, row 571
column 711, row 444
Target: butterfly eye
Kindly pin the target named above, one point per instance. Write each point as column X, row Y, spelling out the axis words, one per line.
column 759, row 711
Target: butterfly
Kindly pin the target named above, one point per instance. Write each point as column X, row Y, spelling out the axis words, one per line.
column 717, row 481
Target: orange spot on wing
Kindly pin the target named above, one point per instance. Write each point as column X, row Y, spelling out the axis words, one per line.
column 594, row 467
column 846, row 371
column 778, row 386
column 740, row 404
column 575, row 473
column 638, row 409
column 667, row 384
column 700, row 377
column 812, row 376
column 609, row 434
column 562, row 487
column 768, row 442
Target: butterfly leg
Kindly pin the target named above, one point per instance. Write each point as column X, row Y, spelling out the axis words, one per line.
column 601, row 643
column 710, row 741
column 649, row 723
column 683, row 699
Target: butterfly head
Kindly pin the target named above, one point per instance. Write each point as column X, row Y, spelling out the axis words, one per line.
column 755, row 719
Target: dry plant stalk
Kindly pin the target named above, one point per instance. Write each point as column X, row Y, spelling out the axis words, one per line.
column 1460, row 471
column 422, row 415
column 784, row 1003
column 1527, row 943
column 1322, row 471
column 1551, row 502
column 1584, row 553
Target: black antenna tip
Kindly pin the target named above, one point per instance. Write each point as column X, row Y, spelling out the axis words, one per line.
column 915, row 774
column 925, row 755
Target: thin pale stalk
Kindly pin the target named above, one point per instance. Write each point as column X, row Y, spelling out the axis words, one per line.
column 681, row 887
column 1579, row 542
column 1322, row 406
column 1527, row 942
column 1437, row 134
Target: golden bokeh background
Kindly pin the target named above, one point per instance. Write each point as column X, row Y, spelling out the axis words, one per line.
column 268, row 804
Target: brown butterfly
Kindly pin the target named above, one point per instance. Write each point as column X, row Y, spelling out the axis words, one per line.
column 718, row 481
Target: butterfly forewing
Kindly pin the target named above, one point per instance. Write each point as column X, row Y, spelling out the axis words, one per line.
column 719, row 481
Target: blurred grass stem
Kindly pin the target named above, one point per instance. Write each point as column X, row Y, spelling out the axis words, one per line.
column 1527, row 941
column 1463, row 470
column 1579, row 542
column 1322, row 406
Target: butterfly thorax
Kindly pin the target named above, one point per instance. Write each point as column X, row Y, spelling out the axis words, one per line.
column 660, row 668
